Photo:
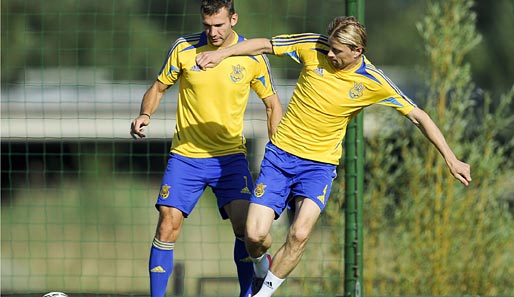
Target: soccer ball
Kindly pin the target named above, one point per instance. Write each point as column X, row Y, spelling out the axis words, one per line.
column 55, row 294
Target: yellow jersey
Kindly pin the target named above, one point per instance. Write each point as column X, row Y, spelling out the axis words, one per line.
column 211, row 103
column 326, row 99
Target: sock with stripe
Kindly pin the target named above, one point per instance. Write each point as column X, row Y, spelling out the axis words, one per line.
column 244, row 267
column 160, row 266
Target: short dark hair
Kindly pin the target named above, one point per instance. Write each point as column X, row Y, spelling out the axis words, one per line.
column 210, row 7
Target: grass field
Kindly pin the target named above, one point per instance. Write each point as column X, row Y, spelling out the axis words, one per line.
column 84, row 238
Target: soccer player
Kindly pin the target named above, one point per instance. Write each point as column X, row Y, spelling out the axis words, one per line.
column 336, row 82
column 208, row 147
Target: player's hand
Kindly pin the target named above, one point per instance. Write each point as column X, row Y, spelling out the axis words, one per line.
column 461, row 171
column 136, row 127
column 209, row 59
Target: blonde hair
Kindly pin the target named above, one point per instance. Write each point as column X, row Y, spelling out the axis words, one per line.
column 348, row 30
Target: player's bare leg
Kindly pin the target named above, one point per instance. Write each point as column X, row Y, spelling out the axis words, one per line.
column 237, row 212
column 258, row 225
column 288, row 256
column 258, row 240
column 170, row 224
column 290, row 253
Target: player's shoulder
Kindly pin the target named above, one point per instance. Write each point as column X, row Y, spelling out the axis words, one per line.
column 257, row 58
column 375, row 73
column 190, row 41
column 301, row 38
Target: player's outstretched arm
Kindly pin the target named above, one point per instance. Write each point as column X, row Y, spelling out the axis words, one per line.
column 149, row 104
column 250, row 47
column 460, row 170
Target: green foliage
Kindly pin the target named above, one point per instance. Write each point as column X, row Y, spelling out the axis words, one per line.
column 425, row 232
column 104, row 34
column 130, row 38
column 492, row 60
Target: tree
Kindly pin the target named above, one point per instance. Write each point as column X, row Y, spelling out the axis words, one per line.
column 446, row 239
column 100, row 34
column 424, row 233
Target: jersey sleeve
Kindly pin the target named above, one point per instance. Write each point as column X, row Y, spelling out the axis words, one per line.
column 299, row 46
column 386, row 92
column 400, row 102
column 263, row 84
column 170, row 70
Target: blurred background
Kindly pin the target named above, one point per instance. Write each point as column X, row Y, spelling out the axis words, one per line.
column 77, row 193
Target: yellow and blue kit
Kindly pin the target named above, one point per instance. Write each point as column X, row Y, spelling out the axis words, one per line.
column 211, row 103
column 326, row 99
column 208, row 147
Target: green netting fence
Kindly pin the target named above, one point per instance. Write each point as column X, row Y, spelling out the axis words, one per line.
column 77, row 192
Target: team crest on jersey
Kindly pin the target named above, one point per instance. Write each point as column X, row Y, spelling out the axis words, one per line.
column 245, row 189
column 357, row 90
column 237, row 73
column 259, row 190
column 165, row 191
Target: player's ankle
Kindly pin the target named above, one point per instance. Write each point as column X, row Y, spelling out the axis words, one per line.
column 261, row 265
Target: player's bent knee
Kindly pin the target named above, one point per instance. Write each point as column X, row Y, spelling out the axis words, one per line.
column 255, row 238
column 299, row 235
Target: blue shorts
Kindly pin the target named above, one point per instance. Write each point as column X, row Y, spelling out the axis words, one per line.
column 285, row 176
column 185, row 180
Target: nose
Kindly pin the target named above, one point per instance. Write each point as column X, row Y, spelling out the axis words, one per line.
column 212, row 31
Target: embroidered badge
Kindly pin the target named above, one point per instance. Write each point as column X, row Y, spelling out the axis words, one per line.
column 237, row 73
column 259, row 190
column 357, row 90
column 165, row 191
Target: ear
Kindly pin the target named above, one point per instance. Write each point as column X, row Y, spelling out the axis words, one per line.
column 357, row 52
column 234, row 19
